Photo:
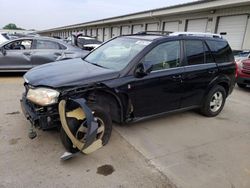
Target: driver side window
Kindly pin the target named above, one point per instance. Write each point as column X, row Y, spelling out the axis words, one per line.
column 19, row 45
column 164, row 56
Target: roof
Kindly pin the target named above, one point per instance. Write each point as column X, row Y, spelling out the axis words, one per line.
column 169, row 10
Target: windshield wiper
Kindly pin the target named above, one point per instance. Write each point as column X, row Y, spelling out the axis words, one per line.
column 95, row 64
column 98, row 65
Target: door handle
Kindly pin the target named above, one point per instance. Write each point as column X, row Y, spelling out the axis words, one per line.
column 27, row 53
column 176, row 77
column 212, row 71
column 57, row 54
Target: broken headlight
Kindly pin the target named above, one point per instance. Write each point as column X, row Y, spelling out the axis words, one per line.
column 43, row 96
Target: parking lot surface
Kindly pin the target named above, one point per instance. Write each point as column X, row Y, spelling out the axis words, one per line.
column 183, row 150
column 36, row 163
column 194, row 151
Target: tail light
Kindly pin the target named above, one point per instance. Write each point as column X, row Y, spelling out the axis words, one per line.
column 236, row 69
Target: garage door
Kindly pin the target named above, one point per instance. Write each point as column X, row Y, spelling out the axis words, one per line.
column 197, row 25
column 99, row 34
column 94, row 33
column 152, row 27
column 89, row 32
column 125, row 30
column 137, row 28
column 171, row 26
column 234, row 27
column 106, row 34
column 115, row 31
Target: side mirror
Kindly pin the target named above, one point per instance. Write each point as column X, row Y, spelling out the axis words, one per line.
column 143, row 69
column 3, row 51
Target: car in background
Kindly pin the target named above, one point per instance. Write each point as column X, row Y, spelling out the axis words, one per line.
column 243, row 73
column 86, row 42
column 241, row 55
column 22, row 54
column 4, row 37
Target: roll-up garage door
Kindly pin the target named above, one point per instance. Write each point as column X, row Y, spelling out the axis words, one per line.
column 197, row 25
column 106, row 33
column 171, row 26
column 99, row 34
column 234, row 27
column 152, row 27
column 125, row 30
column 115, row 31
column 137, row 28
column 94, row 33
column 89, row 32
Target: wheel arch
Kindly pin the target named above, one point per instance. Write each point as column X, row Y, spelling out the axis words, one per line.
column 223, row 81
column 110, row 101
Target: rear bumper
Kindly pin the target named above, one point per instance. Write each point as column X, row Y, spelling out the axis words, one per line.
column 43, row 118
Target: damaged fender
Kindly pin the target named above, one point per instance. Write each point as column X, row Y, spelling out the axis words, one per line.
column 89, row 143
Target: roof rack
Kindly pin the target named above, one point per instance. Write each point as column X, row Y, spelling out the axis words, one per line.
column 199, row 34
column 153, row 32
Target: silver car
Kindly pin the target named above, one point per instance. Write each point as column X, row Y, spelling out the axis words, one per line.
column 22, row 54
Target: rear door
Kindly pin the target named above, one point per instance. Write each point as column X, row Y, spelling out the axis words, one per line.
column 46, row 51
column 17, row 55
column 200, row 70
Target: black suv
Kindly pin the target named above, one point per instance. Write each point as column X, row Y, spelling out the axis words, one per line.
column 127, row 79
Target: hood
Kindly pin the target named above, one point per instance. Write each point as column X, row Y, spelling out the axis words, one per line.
column 70, row 72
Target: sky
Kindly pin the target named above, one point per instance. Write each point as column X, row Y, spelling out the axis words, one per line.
column 46, row 14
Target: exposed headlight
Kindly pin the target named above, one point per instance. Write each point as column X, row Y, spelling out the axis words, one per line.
column 43, row 96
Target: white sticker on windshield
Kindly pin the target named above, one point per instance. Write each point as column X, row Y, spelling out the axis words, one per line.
column 143, row 42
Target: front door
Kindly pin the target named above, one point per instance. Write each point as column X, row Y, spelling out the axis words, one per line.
column 161, row 90
column 17, row 56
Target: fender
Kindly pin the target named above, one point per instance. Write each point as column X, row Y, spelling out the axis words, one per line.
column 218, row 80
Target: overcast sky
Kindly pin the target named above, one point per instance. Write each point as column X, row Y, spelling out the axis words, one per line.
column 45, row 14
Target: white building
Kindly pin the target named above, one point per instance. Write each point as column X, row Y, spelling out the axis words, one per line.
column 230, row 17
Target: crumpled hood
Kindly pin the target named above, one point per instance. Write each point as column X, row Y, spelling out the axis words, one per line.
column 70, row 72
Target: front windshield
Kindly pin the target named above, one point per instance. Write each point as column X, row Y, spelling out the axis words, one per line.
column 117, row 53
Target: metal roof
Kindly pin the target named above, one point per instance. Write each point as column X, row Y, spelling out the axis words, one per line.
column 169, row 10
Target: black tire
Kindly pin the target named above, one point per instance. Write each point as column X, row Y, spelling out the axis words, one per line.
column 209, row 110
column 98, row 113
column 241, row 85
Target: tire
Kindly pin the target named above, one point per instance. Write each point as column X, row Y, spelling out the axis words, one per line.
column 214, row 101
column 102, row 118
column 241, row 85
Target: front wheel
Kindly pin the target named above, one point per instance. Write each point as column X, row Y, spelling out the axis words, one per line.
column 214, row 102
column 103, row 132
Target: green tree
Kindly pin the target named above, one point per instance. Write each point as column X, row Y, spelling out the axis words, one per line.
column 11, row 26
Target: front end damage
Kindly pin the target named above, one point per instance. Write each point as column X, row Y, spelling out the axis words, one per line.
column 83, row 134
column 81, row 128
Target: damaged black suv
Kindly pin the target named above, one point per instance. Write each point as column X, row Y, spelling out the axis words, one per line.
column 127, row 79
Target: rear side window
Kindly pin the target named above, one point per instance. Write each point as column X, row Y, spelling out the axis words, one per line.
column 194, row 52
column 221, row 51
column 45, row 44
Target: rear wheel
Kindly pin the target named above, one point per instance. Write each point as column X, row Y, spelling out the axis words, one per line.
column 103, row 132
column 241, row 85
column 214, row 102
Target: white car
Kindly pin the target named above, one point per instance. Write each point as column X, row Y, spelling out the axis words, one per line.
column 3, row 38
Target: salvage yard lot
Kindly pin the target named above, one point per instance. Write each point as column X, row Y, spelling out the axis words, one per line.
column 185, row 148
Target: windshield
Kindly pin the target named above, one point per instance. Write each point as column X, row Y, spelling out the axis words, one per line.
column 117, row 53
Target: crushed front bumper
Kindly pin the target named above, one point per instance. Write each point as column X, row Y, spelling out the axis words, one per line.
column 41, row 117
